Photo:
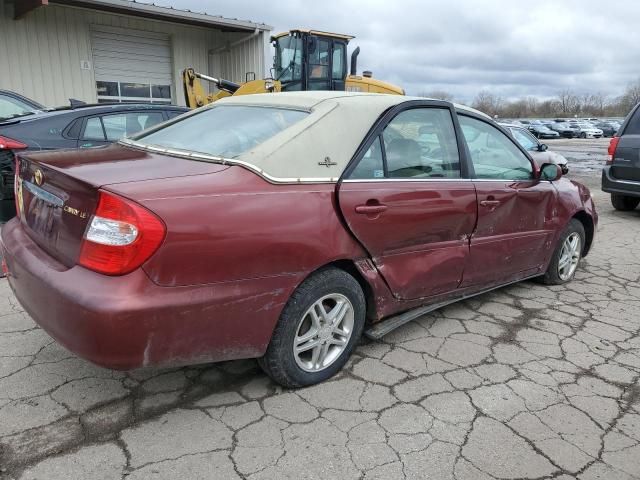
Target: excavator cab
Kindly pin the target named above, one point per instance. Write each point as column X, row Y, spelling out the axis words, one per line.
column 304, row 60
column 310, row 60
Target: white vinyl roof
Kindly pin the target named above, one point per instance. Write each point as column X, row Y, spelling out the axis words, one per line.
column 319, row 147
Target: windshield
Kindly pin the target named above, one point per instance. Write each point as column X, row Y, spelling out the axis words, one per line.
column 223, row 131
column 525, row 139
column 12, row 107
column 288, row 62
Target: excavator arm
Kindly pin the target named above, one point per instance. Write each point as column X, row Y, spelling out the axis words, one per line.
column 195, row 95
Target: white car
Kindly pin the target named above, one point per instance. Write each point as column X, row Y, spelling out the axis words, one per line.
column 538, row 151
column 587, row 130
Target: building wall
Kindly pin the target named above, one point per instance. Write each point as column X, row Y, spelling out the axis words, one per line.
column 248, row 56
column 41, row 54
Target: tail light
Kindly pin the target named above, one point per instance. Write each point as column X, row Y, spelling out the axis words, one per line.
column 122, row 236
column 11, row 144
column 613, row 144
column 17, row 194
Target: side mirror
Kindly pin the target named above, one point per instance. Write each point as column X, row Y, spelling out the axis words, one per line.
column 550, row 172
column 543, row 147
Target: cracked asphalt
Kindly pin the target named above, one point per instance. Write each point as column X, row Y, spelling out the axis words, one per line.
column 525, row 382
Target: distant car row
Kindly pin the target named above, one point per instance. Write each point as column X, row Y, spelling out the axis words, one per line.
column 538, row 151
column 567, row 128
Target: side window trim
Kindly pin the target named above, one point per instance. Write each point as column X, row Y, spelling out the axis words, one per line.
column 472, row 173
column 466, row 169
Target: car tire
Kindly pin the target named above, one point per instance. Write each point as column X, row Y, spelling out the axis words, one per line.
column 624, row 203
column 583, row 135
column 558, row 272
column 302, row 315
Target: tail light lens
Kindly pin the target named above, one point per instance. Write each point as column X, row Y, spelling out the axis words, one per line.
column 17, row 194
column 613, row 144
column 11, row 144
column 122, row 236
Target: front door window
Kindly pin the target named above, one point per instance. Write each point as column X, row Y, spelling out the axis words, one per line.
column 493, row 154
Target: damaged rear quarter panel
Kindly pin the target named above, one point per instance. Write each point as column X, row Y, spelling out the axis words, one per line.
column 233, row 225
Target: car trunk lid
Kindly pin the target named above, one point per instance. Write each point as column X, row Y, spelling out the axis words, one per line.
column 58, row 191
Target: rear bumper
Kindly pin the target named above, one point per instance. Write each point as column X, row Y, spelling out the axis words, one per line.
column 622, row 187
column 129, row 322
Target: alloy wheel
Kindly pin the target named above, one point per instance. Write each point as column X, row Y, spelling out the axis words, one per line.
column 323, row 332
column 569, row 256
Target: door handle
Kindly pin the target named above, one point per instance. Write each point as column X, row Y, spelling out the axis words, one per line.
column 490, row 203
column 370, row 209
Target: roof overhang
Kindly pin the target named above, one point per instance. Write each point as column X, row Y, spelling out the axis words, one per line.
column 169, row 14
column 25, row 6
column 320, row 33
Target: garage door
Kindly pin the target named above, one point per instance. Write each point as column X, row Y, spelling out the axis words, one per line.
column 131, row 65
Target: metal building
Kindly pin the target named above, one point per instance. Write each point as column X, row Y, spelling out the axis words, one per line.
column 119, row 50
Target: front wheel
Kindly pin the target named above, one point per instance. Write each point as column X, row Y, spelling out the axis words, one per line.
column 567, row 255
column 624, row 203
column 583, row 135
column 317, row 331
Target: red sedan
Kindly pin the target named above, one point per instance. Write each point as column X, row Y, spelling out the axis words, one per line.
column 282, row 226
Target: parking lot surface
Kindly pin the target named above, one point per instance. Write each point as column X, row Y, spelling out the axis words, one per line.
column 528, row 381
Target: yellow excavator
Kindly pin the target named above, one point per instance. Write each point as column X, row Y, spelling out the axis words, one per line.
column 304, row 60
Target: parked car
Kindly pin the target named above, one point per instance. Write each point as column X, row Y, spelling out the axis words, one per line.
column 565, row 129
column 542, row 131
column 299, row 221
column 13, row 105
column 609, row 129
column 621, row 174
column 80, row 127
column 586, row 130
column 539, row 151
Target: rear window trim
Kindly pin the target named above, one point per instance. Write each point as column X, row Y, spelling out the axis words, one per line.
column 203, row 157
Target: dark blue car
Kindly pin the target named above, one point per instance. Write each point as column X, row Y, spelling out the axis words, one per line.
column 76, row 126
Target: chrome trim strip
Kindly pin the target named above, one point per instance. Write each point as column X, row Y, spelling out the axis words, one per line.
column 226, row 161
column 42, row 194
column 378, row 180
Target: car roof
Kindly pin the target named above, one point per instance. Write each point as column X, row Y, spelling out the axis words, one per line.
column 308, row 100
column 336, row 125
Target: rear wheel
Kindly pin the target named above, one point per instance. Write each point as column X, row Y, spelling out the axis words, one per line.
column 566, row 256
column 317, row 331
column 624, row 202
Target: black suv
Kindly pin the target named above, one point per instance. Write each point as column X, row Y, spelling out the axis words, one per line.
column 621, row 174
column 76, row 126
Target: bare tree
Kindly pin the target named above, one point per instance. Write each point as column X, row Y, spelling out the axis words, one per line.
column 438, row 95
column 488, row 103
column 631, row 97
column 569, row 102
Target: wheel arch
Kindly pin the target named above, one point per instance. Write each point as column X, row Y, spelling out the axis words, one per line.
column 349, row 266
column 589, row 229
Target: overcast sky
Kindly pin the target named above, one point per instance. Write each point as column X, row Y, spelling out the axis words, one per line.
column 511, row 48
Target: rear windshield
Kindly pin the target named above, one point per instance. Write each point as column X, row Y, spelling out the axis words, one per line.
column 225, row 131
column 633, row 127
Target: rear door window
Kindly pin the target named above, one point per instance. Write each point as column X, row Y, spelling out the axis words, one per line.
column 93, row 129
column 117, row 126
column 418, row 143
